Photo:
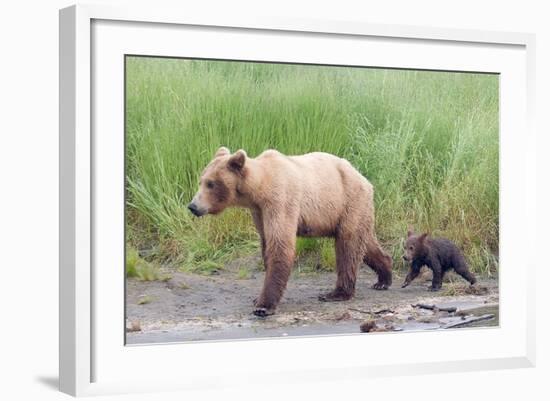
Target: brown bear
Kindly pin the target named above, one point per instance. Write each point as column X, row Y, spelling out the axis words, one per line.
column 438, row 254
column 312, row 195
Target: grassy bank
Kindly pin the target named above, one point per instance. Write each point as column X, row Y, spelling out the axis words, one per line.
column 428, row 141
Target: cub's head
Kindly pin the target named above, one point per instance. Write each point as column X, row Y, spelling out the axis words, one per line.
column 219, row 182
column 415, row 246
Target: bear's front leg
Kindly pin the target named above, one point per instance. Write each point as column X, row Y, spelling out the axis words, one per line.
column 437, row 279
column 277, row 273
column 413, row 273
column 280, row 242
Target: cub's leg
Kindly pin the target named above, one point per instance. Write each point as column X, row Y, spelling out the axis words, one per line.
column 413, row 273
column 280, row 245
column 437, row 279
column 462, row 269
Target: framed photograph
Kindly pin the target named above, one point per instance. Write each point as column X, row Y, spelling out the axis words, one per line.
column 304, row 199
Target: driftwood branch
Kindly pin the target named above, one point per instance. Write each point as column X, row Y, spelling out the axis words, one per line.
column 450, row 309
column 378, row 312
column 469, row 320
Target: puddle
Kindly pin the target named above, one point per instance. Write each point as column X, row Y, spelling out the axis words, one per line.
column 485, row 310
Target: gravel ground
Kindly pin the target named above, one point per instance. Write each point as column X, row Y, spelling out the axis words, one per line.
column 191, row 307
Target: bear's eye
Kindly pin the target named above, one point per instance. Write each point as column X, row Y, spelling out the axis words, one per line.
column 410, row 248
column 209, row 184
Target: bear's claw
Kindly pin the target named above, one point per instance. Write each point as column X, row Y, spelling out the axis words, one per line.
column 263, row 312
column 380, row 286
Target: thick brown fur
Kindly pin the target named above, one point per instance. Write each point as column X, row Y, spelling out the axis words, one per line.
column 313, row 195
column 438, row 254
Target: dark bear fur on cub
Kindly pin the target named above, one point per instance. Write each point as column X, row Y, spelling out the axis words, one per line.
column 438, row 254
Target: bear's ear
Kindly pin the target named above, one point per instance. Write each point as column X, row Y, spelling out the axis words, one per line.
column 222, row 152
column 410, row 232
column 237, row 160
column 422, row 237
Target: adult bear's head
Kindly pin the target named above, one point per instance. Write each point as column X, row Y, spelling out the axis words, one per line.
column 218, row 185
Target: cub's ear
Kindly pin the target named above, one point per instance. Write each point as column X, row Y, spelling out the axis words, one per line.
column 222, row 152
column 410, row 232
column 237, row 160
column 422, row 237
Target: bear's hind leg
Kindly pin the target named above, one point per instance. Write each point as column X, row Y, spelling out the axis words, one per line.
column 258, row 222
column 348, row 258
column 466, row 274
column 381, row 263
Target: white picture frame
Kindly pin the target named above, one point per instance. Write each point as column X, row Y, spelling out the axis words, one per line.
column 93, row 362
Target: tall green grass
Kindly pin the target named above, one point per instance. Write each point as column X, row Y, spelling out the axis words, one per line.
column 428, row 141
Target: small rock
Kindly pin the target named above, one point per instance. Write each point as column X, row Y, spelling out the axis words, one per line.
column 145, row 299
column 134, row 326
column 368, row 326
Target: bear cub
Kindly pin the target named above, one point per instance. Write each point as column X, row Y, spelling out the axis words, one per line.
column 438, row 254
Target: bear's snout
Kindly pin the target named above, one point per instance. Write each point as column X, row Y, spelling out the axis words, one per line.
column 195, row 210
